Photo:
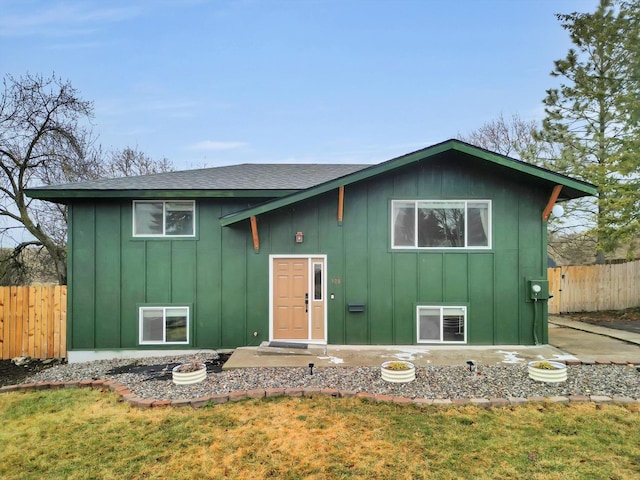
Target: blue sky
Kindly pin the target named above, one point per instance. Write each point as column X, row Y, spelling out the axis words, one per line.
column 336, row 81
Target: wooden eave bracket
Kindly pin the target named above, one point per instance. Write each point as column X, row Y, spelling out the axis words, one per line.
column 254, row 233
column 340, row 203
column 552, row 201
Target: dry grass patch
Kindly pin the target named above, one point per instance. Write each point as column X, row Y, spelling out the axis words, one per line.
column 81, row 434
column 316, row 437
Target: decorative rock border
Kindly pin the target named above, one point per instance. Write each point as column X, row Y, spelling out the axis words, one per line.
column 217, row 399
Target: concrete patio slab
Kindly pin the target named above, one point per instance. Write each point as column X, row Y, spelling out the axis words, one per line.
column 421, row 356
column 569, row 340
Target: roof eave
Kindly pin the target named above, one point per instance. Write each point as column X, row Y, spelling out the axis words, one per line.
column 575, row 188
column 65, row 196
column 578, row 186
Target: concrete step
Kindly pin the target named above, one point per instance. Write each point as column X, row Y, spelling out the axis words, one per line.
column 303, row 349
column 282, row 351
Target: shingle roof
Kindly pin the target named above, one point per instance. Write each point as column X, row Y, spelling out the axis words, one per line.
column 288, row 183
column 235, row 177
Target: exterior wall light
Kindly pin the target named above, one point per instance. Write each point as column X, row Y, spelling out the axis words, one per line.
column 299, row 237
column 557, row 210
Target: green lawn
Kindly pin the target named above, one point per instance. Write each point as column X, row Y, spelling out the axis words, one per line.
column 84, row 433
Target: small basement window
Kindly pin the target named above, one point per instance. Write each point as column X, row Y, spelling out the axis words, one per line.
column 164, row 325
column 439, row 324
column 164, row 218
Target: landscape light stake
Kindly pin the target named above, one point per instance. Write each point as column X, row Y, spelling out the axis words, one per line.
column 471, row 365
column 311, row 369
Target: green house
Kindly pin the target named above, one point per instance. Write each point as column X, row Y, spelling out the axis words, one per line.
column 446, row 245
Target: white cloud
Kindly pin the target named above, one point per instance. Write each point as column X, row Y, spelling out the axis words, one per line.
column 66, row 18
column 215, row 146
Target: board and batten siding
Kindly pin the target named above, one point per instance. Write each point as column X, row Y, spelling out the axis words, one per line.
column 226, row 283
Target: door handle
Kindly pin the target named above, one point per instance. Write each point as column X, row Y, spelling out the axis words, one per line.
column 306, row 302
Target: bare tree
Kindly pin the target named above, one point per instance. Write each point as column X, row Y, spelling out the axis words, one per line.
column 130, row 162
column 25, row 264
column 44, row 136
column 521, row 139
column 46, row 139
column 514, row 137
column 13, row 270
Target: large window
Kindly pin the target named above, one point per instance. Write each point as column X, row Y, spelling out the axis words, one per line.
column 440, row 324
column 164, row 219
column 164, row 325
column 441, row 223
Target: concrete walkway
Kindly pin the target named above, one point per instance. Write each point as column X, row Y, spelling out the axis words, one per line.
column 569, row 340
column 623, row 335
column 592, row 342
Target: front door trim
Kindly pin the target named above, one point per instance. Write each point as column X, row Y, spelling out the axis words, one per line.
column 310, row 259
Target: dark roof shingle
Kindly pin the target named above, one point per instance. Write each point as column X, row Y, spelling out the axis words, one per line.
column 248, row 176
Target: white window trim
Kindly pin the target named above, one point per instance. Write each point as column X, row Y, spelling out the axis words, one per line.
column 313, row 282
column 466, row 230
column 441, row 308
column 164, row 329
column 164, row 219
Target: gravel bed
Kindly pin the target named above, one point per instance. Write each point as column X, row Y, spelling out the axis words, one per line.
column 151, row 378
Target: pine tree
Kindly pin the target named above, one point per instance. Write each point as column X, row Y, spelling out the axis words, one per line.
column 594, row 114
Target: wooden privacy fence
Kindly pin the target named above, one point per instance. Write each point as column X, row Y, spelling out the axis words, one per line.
column 33, row 322
column 594, row 287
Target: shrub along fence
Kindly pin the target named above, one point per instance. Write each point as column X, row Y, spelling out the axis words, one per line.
column 593, row 288
column 33, row 322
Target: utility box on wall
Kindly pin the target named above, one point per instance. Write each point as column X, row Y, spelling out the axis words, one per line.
column 537, row 289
